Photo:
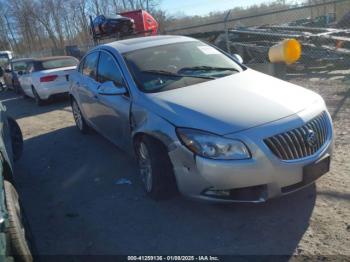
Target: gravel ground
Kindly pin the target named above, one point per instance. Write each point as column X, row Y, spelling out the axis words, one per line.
column 68, row 184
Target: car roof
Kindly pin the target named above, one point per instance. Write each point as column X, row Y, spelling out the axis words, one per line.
column 128, row 45
column 114, row 16
column 42, row 59
column 21, row 60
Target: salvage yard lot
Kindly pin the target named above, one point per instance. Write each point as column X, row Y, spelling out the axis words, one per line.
column 68, row 184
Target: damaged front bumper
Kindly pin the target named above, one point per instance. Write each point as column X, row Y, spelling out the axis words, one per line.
column 262, row 177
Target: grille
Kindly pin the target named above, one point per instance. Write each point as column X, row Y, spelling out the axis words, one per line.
column 302, row 141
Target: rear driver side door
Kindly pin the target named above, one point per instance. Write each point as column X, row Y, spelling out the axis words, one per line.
column 87, row 85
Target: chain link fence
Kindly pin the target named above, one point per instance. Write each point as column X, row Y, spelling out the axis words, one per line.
column 322, row 28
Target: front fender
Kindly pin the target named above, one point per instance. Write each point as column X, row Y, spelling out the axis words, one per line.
column 149, row 123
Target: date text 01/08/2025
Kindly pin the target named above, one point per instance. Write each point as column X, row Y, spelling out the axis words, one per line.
column 173, row 258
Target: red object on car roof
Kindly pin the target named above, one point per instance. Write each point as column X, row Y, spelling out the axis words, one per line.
column 145, row 24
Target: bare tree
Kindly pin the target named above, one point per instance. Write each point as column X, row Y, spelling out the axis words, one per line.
column 29, row 26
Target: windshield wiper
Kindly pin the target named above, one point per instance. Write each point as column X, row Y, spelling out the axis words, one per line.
column 168, row 73
column 209, row 68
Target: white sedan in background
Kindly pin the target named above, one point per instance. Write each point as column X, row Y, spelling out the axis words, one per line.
column 47, row 77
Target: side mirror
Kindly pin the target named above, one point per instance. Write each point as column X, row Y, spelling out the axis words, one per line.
column 20, row 73
column 109, row 88
column 238, row 58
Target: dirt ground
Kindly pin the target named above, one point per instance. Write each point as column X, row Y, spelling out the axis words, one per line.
column 69, row 186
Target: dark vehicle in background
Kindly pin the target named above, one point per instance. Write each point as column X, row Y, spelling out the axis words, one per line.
column 73, row 50
column 11, row 75
column 108, row 25
column 319, row 21
column 14, row 233
column 344, row 22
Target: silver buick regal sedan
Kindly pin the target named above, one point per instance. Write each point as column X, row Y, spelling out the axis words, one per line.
column 199, row 121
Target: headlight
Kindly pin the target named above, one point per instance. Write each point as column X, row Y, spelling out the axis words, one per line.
column 212, row 146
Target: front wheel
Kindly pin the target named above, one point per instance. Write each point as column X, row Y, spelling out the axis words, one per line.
column 155, row 169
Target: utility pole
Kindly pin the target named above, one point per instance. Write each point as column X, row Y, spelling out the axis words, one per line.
column 311, row 13
column 147, row 6
column 226, row 31
column 11, row 32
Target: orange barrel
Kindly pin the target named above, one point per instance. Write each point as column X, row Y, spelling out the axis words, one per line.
column 288, row 51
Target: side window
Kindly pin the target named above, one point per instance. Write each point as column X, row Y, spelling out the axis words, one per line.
column 109, row 71
column 19, row 66
column 29, row 68
column 89, row 66
column 81, row 65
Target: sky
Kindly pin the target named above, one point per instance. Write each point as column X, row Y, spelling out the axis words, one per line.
column 203, row 7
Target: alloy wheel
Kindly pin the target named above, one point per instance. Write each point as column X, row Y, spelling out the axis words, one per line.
column 77, row 116
column 145, row 166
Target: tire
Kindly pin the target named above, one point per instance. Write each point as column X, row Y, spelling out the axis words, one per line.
column 16, row 88
column 38, row 100
column 155, row 169
column 124, row 29
column 79, row 118
column 20, row 246
column 16, row 139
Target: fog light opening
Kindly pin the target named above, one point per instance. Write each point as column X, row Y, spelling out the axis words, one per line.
column 246, row 194
column 217, row 193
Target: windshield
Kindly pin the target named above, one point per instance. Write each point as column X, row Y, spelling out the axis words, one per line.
column 178, row 65
column 57, row 63
column 113, row 16
column 4, row 58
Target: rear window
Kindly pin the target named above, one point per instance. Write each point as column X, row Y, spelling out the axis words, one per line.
column 57, row 63
column 19, row 66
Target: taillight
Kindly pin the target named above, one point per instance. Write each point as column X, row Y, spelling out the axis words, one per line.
column 48, row 78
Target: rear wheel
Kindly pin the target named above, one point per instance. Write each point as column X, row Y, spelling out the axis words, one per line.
column 16, row 87
column 37, row 98
column 79, row 118
column 16, row 229
column 155, row 168
column 124, row 29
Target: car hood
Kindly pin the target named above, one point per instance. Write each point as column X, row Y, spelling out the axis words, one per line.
column 233, row 103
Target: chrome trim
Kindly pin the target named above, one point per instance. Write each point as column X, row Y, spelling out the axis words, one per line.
column 292, row 145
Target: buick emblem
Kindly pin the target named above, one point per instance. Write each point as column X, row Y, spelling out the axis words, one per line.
column 311, row 138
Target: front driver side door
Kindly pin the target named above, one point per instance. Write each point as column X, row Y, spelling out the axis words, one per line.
column 112, row 111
